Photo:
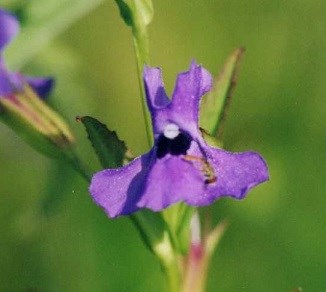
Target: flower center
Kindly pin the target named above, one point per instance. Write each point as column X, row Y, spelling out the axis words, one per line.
column 172, row 141
column 171, row 131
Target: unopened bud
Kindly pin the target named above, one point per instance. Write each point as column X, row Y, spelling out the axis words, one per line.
column 28, row 115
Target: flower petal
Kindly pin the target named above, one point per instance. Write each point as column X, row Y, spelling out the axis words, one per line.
column 236, row 174
column 170, row 180
column 190, row 87
column 13, row 81
column 155, row 92
column 9, row 28
column 118, row 190
column 184, row 107
column 42, row 86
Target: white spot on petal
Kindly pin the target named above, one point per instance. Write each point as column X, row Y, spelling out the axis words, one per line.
column 171, row 131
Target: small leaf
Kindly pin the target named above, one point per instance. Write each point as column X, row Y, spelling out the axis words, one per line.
column 125, row 12
column 146, row 11
column 215, row 104
column 109, row 148
column 136, row 12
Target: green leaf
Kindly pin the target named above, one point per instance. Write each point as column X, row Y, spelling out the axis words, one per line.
column 108, row 147
column 125, row 12
column 136, row 12
column 215, row 104
column 42, row 21
column 146, row 11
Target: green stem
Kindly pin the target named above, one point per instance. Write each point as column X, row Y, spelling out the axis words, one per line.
column 169, row 261
column 140, row 39
column 173, row 275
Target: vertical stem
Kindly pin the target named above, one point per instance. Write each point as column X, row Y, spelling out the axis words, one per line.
column 173, row 276
column 140, row 39
column 162, row 244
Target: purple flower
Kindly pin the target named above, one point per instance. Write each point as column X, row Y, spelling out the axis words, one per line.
column 11, row 82
column 180, row 166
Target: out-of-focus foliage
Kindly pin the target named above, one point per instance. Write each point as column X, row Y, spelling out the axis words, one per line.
column 41, row 22
column 277, row 235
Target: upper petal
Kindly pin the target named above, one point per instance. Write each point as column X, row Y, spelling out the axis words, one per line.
column 9, row 28
column 118, row 190
column 155, row 92
column 190, row 87
column 183, row 110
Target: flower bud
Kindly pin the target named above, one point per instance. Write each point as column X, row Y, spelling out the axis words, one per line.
column 28, row 115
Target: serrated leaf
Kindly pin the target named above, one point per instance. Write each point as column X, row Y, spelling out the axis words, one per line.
column 108, row 147
column 215, row 104
column 42, row 22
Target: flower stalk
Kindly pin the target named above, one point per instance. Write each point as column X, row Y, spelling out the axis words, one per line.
column 141, row 46
column 138, row 14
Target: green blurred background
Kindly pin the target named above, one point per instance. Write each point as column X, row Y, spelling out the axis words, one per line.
column 277, row 237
